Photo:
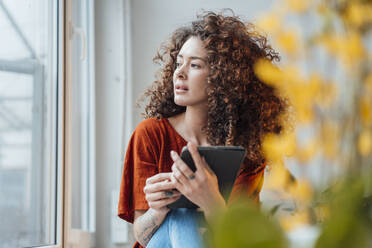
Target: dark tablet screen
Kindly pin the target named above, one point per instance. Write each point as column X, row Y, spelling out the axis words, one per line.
column 225, row 161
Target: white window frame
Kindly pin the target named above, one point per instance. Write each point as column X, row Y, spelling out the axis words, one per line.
column 79, row 237
column 58, row 131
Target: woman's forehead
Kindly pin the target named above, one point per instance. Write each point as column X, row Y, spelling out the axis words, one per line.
column 193, row 48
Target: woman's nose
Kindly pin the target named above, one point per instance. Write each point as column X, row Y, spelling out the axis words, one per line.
column 181, row 74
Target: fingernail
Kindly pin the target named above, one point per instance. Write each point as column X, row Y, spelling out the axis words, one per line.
column 173, row 154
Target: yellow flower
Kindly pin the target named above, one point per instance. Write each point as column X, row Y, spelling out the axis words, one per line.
column 301, row 191
column 275, row 147
column 365, row 110
column 290, row 42
column 295, row 220
column 298, row 5
column 270, row 23
column 277, row 177
column 322, row 212
column 322, row 8
column 327, row 94
column 368, row 83
column 268, row 73
column 307, row 152
column 330, row 134
column 300, row 92
column 365, row 142
column 358, row 14
column 348, row 48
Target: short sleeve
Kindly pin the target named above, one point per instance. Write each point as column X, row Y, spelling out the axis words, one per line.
column 248, row 184
column 139, row 164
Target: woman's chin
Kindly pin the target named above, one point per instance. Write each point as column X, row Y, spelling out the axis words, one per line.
column 180, row 102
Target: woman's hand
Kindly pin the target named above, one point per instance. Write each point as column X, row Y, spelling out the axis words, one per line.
column 160, row 191
column 201, row 186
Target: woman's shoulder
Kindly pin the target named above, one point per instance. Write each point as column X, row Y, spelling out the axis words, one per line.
column 151, row 126
column 150, row 123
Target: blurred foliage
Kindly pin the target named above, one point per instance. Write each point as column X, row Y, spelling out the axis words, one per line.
column 326, row 76
column 350, row 221
column 244, row 225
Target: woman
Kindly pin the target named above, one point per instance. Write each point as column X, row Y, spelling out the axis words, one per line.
column 207, row 94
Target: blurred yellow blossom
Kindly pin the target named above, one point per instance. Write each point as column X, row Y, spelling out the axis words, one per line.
column 322, row 212
column 298, row 5
column 268, row 72
column 365, row 109
column 290, row 42
column 358, row 14
column 275, row 147
column 368, row 83
column 349, row 48
column 312, row 78
column 322, row 9
column 365, row 142
column 330, row 134
column 327, row 94
column 289, row 81
column 270, row 23
column 307, row 152
column 301, row 190
column 295, row 220
column 301, row 93
column 278, row 177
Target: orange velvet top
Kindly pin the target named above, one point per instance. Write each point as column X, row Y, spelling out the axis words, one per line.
column 148, row 153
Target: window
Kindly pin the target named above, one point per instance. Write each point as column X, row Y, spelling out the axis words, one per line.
column 30, row 174
column 47, row 133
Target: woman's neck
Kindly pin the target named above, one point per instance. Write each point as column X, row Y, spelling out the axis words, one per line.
column 193, row 120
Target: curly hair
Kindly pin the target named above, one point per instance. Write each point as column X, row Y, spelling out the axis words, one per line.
column 241, row 108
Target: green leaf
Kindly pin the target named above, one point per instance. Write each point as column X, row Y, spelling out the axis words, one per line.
column 243, row 225
column 346, row 226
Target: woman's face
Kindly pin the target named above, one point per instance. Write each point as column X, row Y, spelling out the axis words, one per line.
column 190, row 76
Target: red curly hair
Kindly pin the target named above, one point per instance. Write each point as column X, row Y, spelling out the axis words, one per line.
column 241, row 108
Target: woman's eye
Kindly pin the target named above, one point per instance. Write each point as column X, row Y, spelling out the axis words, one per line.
column 178, row 64
column 195, row 65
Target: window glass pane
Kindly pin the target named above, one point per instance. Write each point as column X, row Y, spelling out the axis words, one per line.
column 27, row 172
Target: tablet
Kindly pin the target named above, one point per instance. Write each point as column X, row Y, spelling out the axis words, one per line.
column 225, row 161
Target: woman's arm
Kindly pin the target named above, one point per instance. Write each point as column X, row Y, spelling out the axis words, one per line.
column 159, row 192
column 146, row 223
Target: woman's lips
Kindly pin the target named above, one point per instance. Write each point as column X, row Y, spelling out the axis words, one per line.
column 180, row 88
column 180, row 91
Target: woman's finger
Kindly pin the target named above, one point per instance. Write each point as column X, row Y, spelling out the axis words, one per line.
column 159, row 186
column 180, row 176
column 178, row 185
column 163, row 202
column 162, row 195
column 198, row 161
column 158, row 177
column 182, row 166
